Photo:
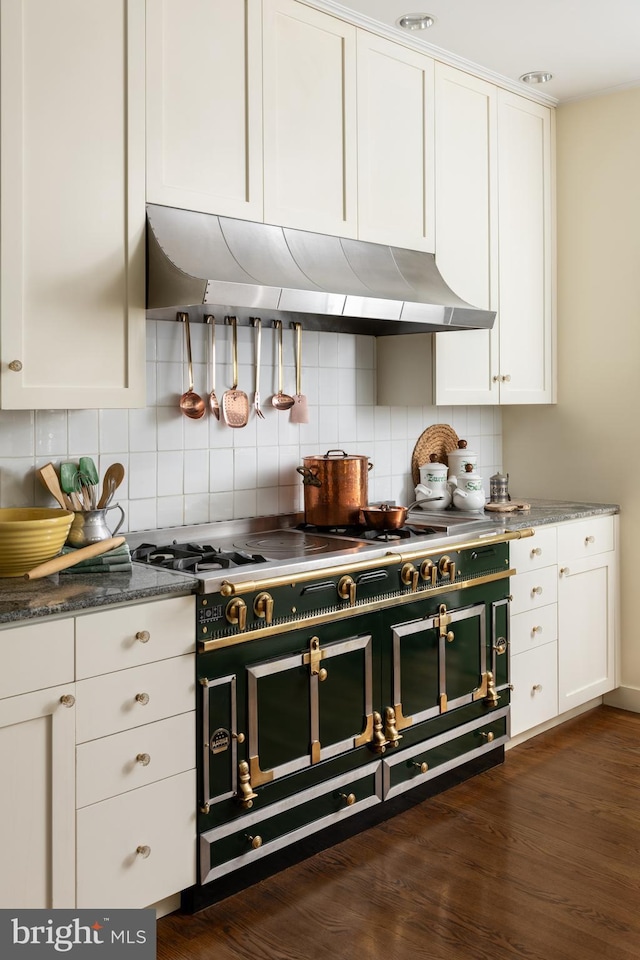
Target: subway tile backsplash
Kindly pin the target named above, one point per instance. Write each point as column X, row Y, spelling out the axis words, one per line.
column 181, row 471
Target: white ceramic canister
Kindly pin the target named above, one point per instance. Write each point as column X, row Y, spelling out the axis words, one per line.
column 468, row 494
column 433, row 488
column 458, row 460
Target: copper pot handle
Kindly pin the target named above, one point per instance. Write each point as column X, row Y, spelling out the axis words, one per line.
column 309, row 478
column 342, row 453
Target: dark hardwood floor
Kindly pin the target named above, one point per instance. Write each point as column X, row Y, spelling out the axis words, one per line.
column 538, row 858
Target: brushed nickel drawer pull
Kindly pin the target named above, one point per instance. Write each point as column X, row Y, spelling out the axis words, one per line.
column 143, row 636
column 142, row 698
column 143, row 758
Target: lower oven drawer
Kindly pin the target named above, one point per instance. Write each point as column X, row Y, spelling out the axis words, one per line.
column 234, row 845
column 435, row 756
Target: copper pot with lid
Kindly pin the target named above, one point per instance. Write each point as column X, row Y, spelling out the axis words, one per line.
column 335, row 488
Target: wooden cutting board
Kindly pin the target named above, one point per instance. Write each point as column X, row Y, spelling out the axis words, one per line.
column 512, row 507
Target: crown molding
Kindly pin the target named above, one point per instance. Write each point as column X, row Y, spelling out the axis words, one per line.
column 421, row 46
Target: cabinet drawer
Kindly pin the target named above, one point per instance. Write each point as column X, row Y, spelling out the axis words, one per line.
column 534, row 552
column 125, row 761
column 138, row 848
column 129, row 698
column 532, row 628
column 231, row 846
column 132, row 635
column 437, row 755
column 36, row 656
column 534, row 678
column 538, row 588
column 585, row 538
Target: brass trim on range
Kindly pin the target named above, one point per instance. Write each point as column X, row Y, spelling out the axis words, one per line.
column 229, row 589
column 342, row 613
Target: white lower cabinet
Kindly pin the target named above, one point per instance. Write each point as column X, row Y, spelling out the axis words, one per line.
column 139, row 847
column 564, row 620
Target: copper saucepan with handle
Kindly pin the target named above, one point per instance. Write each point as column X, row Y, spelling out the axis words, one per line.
column 384, row 517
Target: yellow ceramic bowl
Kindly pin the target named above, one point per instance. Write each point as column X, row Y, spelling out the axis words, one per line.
column 29, row 536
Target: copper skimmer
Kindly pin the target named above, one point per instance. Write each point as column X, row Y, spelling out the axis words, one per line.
column 235, row 403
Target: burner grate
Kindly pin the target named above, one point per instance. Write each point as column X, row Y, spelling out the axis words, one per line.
column 192, row 557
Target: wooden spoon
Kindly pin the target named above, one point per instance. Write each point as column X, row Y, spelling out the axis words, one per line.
column 112, row 480
column 50, row 479
column 280, row 400
column 191, row 404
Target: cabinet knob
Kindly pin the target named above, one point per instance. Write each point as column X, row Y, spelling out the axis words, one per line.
column 536, row 552
column 506, row 378
column 67, row 700
column 16, row 366
column 489, row 737
column 589, row 539
column 143, row 636
column 256, row 842
column 142, row 698
column 422, row 767
column 349, row 798
column 143, row 759
column 564, row 571
column 496, row 378
column 537, row 688
column 536, row 629
column 536, row 591
column 143, row 851
column 238, row 737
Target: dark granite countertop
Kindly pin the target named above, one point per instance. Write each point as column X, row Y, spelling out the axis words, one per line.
column 62, row 593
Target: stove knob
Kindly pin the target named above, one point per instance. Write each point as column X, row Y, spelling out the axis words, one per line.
column 263, row 607
column 409, row 576
column 236, row 612
column 447, row 566
column 347, row 589
column 429, row 571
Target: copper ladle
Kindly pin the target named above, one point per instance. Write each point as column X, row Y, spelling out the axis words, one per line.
column 191, row 404
column 280, row 400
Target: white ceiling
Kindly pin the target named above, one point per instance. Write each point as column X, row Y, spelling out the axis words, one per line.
column 589, row 46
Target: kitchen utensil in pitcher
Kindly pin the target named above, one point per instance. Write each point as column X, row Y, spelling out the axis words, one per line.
column 280, row 400
column 87, row 468
column 69, row 483
column 257, row 322
column 214, row 406
column 191, row 404
column 235, row 403
column 300, row 409
column 50, row 479
column 112, row 480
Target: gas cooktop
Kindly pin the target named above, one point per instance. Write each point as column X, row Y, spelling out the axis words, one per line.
column 209, row 551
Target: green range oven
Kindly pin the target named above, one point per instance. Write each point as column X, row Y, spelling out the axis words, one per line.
column 330, row 686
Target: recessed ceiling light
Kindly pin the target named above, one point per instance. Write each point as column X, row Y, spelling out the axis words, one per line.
column 416, row 21
column 536, row 76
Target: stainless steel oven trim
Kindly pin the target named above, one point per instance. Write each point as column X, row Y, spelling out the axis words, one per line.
column 254, row 818
column 270, row 668
column 206, row 686
column 494, row 630
column 388, row 762
column 343, row 612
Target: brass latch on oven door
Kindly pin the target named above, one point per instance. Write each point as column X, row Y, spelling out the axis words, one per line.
column 313, row 659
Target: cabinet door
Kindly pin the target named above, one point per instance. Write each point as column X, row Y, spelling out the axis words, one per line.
column 466, row 238
column 586, row 629
column 395, row 144
column 72, row 319
column 309, row 119
column 525, row 235
column 204, row 106
column 37, row 803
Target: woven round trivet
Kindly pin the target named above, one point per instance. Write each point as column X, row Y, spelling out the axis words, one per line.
column 440, row 439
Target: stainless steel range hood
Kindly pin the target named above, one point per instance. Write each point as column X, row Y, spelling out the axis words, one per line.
column 205, row 263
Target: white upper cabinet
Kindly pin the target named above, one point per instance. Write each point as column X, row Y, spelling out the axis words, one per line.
column 395, row 144
column 466, row 242
column 72, row 310
column 526, row 258
column 204, row 106
column 310, row 159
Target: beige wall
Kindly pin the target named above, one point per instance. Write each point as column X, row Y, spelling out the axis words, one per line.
column 587, row 447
